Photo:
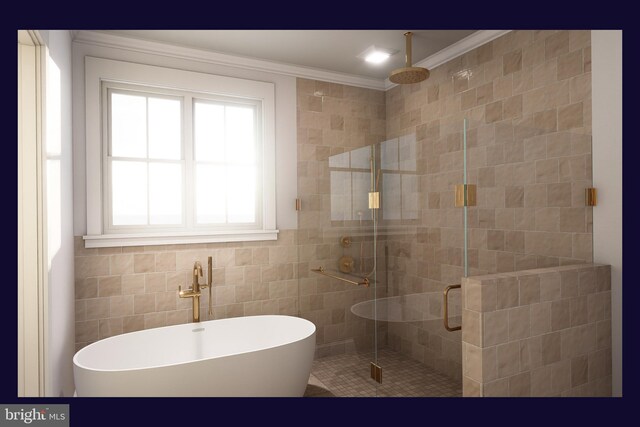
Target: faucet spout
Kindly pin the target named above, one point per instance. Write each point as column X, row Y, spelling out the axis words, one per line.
column 197, row 271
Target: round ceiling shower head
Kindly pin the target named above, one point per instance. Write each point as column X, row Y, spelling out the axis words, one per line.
column 408, row 74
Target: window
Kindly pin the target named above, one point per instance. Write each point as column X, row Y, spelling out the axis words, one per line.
column 183, row 157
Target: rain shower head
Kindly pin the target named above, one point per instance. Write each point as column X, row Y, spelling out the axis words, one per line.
column 408, row 74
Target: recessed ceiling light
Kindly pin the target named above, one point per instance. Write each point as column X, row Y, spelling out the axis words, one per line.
column 376, row 55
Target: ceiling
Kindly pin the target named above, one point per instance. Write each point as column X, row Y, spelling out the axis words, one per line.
column 330, row 50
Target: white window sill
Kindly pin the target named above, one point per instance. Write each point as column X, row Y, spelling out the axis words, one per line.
column 115, row 240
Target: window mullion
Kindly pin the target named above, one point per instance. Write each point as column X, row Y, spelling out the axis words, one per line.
column 188, row 172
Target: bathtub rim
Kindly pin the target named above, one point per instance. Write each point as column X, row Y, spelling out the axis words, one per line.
column 80, row 366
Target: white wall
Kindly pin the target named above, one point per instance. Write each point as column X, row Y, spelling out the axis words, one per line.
column 607, row 175
column 285, row 91
column 58, row 185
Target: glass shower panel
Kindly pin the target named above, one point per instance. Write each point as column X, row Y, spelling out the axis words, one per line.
column 337, row 269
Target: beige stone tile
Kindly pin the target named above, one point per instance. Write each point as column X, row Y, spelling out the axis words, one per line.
column 90, row 266
column 551, row 345
column 80, row 310
column 470, row 388
column 535, row 148
column 512, row 62
column 144, row 263
column 596, row 306
column 559, row 194
column 587, row 281
column 520, row 385
column 541, row 379
column 121, row 264
column 549, row 286
column 556, row 45
column 598, row 365
column 519, row 323
column 579, row 370
column 493, row 112
column 133, row 323
column 578, row 310
column 514, row 241
column 545, row 74
column 508, row 359
column 603, row 278
column 529, row 289
column 547, row 171
column 580, row 88
column 472, row 328
column 166, row 301
column 547, row 219
column 570, row 116
column 155, row 320
column 110, row 327
column 243, row 257
column 87, row 331
column 498, row 388
column 109, row 286
column 166, row 261
column 121, row 306
column 545, row 121
column 540, row 318
column 484, row 94
column 603, row 336
column 507, row 290
column 560, row 314
column 479, row 364
column 97, row 308
column 177, row 317
column 132, row 249
column 512, row 107
column 495, row 328
column 495, row 240
column 570, row 65
column 530, row 353
column 157, row 282
column 468, row 99
column 132, row 284
column 144, row 303
column 86, row 288
column 548, row 244
column 569, row 280
column 261, row 256
column 534, row 196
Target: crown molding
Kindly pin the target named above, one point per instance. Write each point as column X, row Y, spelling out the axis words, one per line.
column 460, row 47
column 191, row 54
column 470, row 42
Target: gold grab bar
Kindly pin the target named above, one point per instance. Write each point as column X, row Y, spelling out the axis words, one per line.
column 446, row 309
column 320, row 270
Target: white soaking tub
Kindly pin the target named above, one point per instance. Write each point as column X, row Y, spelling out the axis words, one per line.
column 242, row 356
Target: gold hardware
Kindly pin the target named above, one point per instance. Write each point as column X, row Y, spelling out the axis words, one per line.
column 465, row 195
column 446, row 309
column 298, row 204
column 374, row 200
column 590, row 196
column 376, row 372
column 320, row 270
column 345, row 241
column 194, row 290
column 346, row 264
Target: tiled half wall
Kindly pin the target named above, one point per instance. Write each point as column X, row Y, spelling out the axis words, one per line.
column 543, row 332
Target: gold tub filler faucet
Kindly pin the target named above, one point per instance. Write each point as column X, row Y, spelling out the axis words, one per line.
column 196, row 287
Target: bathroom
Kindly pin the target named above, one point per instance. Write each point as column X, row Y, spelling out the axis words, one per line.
column 366, row 199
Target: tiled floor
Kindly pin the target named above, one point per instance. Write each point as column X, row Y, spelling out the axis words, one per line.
column 348, row 375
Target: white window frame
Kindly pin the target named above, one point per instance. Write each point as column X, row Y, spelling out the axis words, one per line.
column 127, row 74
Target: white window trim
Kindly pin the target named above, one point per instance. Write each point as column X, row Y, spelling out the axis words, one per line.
column 98, row 70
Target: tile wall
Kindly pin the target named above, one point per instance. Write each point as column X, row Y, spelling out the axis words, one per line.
column 527, row 98
column 126, row 289
column 543, row 332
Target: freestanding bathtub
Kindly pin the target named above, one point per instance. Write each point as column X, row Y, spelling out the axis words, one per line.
column 242, row 356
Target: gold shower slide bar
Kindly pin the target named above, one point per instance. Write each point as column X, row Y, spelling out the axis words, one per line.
column 320, row 270
column 446, row 309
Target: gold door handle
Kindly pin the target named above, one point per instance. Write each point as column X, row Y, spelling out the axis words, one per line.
column 446, row 308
